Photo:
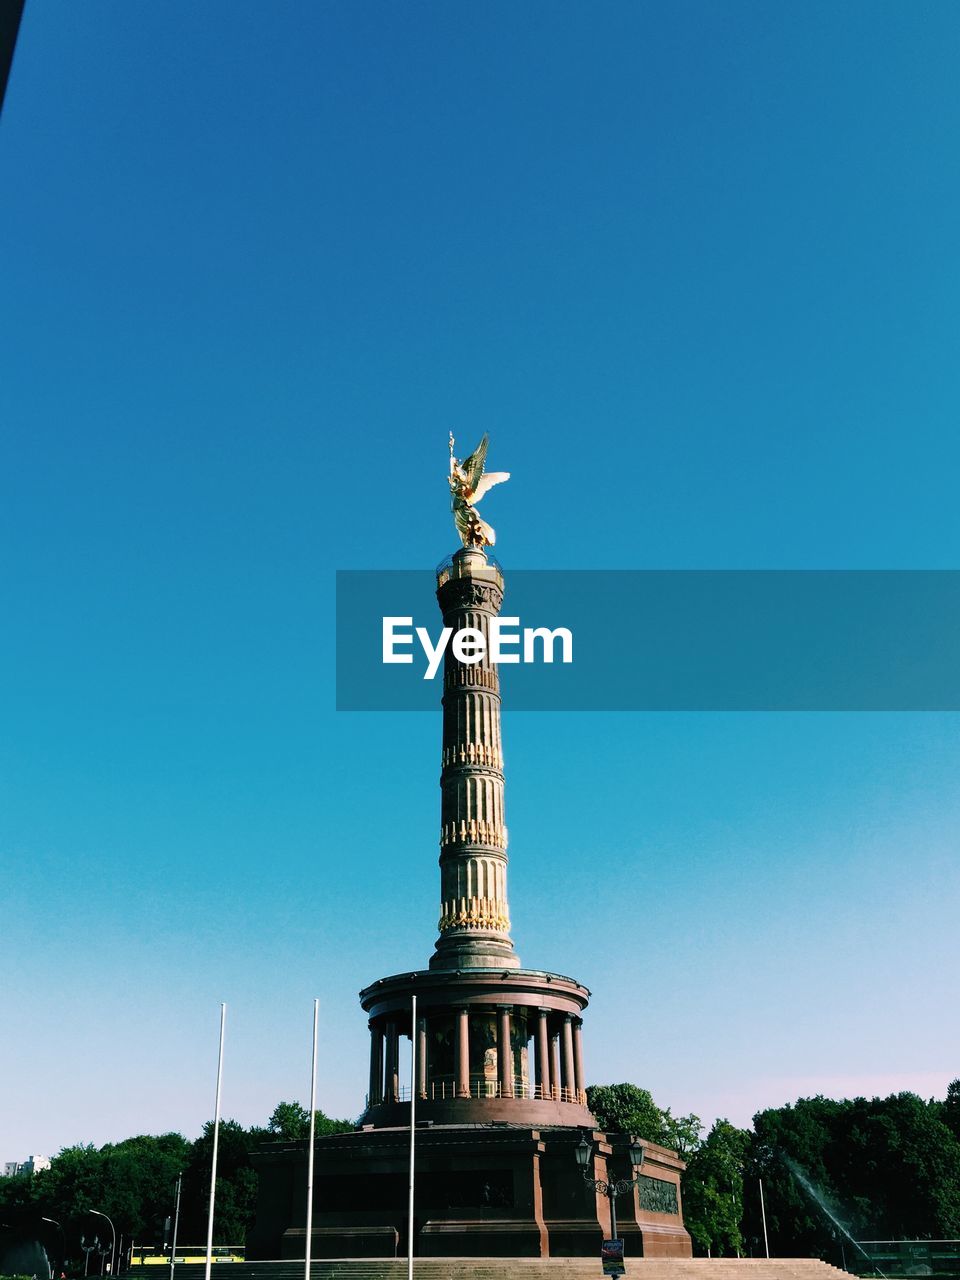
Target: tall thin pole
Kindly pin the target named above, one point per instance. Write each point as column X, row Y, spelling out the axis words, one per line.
column 313, row 1110
column 63, row 1241
column 613, row 1214
column 763, row 1215
column 113, row 1240
column 216, row 1144
column 413, row 1130
column 176, row 1224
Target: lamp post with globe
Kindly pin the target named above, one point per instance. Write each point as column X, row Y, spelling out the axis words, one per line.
column 610, row 1188
column 113, row 1235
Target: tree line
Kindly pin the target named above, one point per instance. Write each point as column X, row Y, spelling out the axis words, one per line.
column 133, row 1182
column 832, row 1172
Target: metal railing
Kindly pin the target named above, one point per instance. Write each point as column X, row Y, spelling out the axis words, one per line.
column 448, row 568
column 444, row 1089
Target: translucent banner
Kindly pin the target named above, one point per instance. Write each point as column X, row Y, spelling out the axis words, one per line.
column 647, row 640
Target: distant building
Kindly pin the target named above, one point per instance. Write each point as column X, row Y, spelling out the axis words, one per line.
column 32, row 1164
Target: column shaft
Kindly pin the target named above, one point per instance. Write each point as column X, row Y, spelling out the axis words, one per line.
column 543, row 1054
column 504, row 1053
column 422, row 1057
column 376, row 1064
column 555, row 1063
column 461, row 1054
column 579, row 1082
column 474, row 912
column 393, row 1063
column 568, row 1072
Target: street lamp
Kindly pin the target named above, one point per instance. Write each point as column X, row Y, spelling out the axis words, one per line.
column 113, row 1235
column 63, row 1241
column 87, row 1250
column 584, row 1151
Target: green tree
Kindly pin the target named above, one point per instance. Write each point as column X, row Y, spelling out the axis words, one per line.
column 18, row 1197
column 626, row 1108
column 130, row 1181
column 950, row 1115
column 796, row 1135
column 291, row 1121
column 236, row 1196
column 133, row 1182
column 713, row 1190
column 138, row 1179
column 878, row 1168
column 236, row 1189
column 681, row 1133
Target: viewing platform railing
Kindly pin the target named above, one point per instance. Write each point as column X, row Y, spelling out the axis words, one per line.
column 449, row 568
column 444, row 1089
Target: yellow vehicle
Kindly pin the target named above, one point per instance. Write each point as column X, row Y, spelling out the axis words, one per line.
column 148, row 1257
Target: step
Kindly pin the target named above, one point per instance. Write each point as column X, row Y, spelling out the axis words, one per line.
column 526, row 1268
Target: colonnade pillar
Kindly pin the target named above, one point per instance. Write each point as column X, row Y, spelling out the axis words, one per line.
column 393, row 1063
column 375, row 1091
column 555, row 1062
column 504, row 1052
column 579, row 1083
column 543, row 1054
column 461, row 1054
column 421, row 1057
column 558, row 1048
column 568, row 1072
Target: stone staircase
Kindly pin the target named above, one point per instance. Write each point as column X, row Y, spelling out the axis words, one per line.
column 524, row 1269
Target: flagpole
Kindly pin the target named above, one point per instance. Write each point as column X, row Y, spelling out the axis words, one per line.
column 176, row 1225
column 413, row 1106
column 313, row 1108
column 763, row 1214
column 216, row 1143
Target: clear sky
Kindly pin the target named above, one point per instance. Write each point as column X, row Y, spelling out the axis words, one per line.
column 694, row 266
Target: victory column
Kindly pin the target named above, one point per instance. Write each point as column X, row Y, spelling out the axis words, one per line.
column 498, row 1127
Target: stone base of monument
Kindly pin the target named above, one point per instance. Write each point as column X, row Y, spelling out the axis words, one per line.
column 483, row 1191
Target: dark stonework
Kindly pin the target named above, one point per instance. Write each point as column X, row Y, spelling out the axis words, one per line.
column 501, row 1101
column 481, row 1192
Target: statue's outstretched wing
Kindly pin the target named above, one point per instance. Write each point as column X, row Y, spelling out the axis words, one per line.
column 472, row 467
column 487, row 483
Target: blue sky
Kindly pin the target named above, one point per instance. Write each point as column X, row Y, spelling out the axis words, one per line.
column 694, row 267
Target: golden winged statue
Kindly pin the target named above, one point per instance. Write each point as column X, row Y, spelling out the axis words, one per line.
column 468, row 484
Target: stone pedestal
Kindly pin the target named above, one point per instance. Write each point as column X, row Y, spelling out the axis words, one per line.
column 497, row 1191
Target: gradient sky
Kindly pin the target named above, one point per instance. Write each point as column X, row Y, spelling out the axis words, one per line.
column 694, row 266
